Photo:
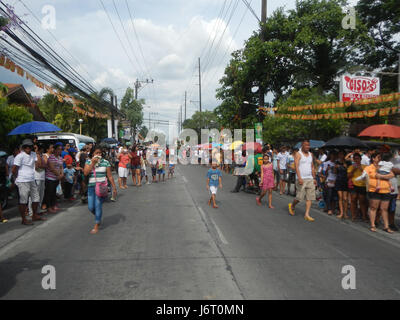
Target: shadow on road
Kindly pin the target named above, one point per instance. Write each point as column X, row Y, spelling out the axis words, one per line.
column 113, row 220
column 12, row 267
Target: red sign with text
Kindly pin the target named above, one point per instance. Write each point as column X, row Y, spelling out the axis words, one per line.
column 358, row 87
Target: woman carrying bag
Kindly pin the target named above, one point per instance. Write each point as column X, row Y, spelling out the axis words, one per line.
column 98, row 169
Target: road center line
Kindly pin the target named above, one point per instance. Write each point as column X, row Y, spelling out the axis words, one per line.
column 220, row 234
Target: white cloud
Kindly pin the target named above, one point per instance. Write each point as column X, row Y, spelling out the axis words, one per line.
column 171, row 47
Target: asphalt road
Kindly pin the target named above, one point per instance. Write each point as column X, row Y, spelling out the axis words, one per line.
column 162, row 241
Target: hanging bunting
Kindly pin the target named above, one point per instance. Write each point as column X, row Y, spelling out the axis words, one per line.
column 61, row 97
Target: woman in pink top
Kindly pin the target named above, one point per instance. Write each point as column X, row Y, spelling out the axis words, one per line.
column 267, row 181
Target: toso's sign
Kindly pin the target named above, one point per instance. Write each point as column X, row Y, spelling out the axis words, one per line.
column 358, row 87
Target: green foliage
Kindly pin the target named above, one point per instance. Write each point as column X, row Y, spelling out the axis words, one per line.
column 288, row 131
column 202, row 120
column 143, row 131
column 133, row 109
column 11, row 117
column 382, row 19
column 62, row 115
column 59, row 113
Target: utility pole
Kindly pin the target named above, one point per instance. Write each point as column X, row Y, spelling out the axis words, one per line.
column 262, row 36
column 186, row 100
column 200, row 84
column 138, row 85
column 112, row 119
column 181, row 118
column 398, row 83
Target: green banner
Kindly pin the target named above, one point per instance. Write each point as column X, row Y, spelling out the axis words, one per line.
column 259, row 128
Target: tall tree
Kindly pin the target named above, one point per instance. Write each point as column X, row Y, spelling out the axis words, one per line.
column 382, row 19
column 202, row 120
column 133, row 109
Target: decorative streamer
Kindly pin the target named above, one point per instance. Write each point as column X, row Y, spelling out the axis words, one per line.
column 61, row 97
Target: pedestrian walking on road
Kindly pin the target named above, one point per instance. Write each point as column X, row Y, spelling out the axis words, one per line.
column 214, row 180
column 267, row 181
column 24, row 171
column 98, row 170
column 306, row 182
column 124, row 159
column 282, row 159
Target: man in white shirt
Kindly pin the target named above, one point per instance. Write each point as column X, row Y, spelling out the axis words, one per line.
column 24, row 171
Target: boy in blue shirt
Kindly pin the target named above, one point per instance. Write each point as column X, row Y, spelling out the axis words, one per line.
column 70, row 180
column 214, row 180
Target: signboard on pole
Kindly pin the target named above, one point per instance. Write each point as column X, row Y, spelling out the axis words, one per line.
column 358, row 87
column 259, row 127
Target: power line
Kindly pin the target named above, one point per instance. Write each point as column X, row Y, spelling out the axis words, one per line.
column 251, row 10
column 128, row 38
column 223, row 33
column 54, row 56
column 55, row 38
column 116, row 33
column 228, row 48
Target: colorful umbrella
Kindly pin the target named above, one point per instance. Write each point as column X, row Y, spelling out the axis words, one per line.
column 253, row 146
column 381, row 131
column 34, row 127
column 236, row 144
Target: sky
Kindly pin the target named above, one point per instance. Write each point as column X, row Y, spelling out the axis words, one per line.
column 171, row 36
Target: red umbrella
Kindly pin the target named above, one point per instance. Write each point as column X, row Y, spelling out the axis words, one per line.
column 381, row 131
column 257, row 147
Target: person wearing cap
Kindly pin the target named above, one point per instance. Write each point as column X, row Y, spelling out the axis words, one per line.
column 24, row 171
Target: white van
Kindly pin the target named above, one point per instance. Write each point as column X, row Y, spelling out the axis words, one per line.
column 71, row 138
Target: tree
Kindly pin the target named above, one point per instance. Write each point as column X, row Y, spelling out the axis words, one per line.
column 287, row 131
column 133, row 109
column 144, row 131
column 11, row 117
column 382, row 19
column 202, row 120
column 303, row 48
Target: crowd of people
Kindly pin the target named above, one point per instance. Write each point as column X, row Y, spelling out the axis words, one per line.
column 350, row 184
column 42, row 174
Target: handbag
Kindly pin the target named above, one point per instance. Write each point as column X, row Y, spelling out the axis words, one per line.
column 101, row 187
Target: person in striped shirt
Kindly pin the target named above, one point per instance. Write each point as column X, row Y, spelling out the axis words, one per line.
column 103, row 172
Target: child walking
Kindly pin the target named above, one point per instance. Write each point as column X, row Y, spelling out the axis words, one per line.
column 267, row 181
column 214, row 180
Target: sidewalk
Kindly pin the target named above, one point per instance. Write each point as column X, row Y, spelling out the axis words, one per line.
column 13, row 229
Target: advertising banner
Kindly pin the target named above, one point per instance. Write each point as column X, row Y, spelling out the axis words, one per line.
column 354, row 88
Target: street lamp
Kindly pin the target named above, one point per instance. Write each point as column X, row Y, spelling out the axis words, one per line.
column 80, row 126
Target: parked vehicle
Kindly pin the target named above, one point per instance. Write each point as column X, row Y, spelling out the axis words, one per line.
column 72, row 138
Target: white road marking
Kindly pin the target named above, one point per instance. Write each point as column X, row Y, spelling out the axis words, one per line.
column 220, row 234
column 184, row 179
column 397, row 290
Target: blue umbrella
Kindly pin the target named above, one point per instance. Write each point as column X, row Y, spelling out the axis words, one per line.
column 313, row 144
column 34, row 127
column 109, row 141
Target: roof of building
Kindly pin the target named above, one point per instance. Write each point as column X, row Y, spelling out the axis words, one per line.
column 18, row 95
